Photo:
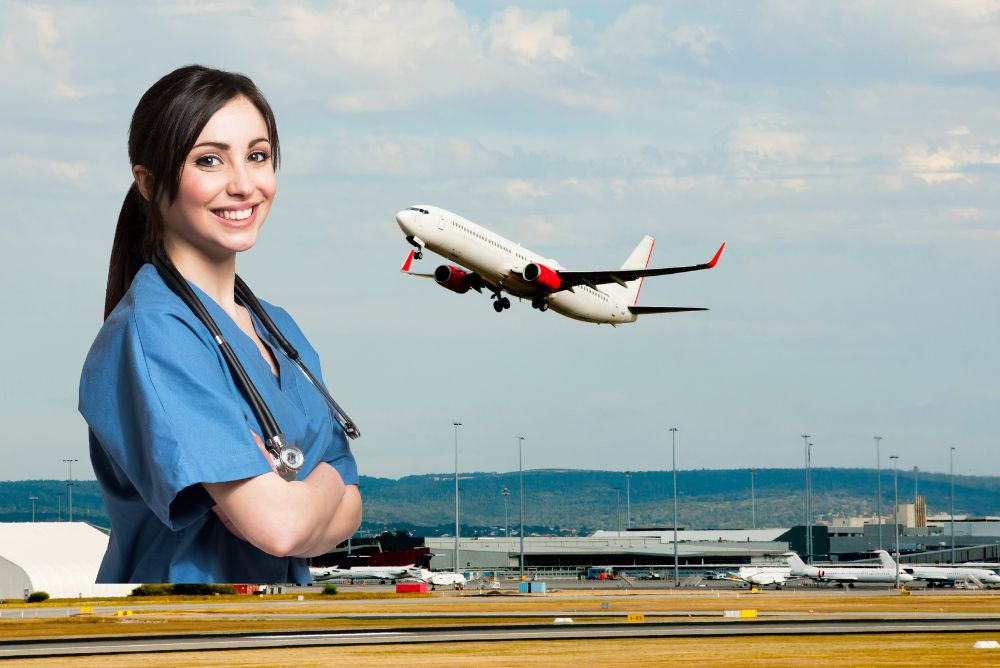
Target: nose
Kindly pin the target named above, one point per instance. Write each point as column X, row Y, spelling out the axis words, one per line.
column 406, row 219
column 240, row 183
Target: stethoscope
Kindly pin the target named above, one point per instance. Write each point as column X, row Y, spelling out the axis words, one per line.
column 286, row 457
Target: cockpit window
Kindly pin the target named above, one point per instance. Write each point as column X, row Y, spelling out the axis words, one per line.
column 413, row 208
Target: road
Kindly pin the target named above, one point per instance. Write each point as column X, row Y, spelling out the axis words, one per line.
column 568, row 631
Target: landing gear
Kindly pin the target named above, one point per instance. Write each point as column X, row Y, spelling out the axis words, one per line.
column 540, row 304
column 500, row 303
column 418, row 255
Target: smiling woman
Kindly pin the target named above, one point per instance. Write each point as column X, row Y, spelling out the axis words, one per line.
column 190, row 371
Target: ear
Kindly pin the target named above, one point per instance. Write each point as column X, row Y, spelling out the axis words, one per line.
column 144, row 180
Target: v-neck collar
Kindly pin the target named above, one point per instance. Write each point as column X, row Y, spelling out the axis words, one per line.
column 247, row 348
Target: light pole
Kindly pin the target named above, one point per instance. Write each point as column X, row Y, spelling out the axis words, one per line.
column 878, row 488
column 951, row 482
column 673, row 457
column 506, row 530
column 895, row 504
column 70, row 485
column 457, row 530
column 628, row 500
column 520, row 500
column 805, row 446
column 809, row 491
column 916, row 493
column 59, row 496
column 753, row 498
column 32, row 499
column 618, row 508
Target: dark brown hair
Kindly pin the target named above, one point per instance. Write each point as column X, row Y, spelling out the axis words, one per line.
column 165, row 125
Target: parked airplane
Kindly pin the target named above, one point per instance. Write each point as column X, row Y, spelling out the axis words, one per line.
column 384, row 573
column 849, row 575
column 490, row 261
column 761, row 576
column 950, row 575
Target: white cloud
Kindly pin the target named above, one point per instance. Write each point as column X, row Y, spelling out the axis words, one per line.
column 530, row 36
column 762, row 143
column 520, row 189
column 959, row 131
column 32, row 54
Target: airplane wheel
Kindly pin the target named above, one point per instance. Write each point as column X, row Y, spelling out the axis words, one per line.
column 504, row 302
column 419, row 255
column 544, row 307
column 497, row 306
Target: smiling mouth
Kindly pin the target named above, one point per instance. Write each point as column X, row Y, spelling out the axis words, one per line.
column 235, row 215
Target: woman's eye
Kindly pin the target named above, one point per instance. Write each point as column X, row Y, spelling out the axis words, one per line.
column 208, row 161
column 259, row 156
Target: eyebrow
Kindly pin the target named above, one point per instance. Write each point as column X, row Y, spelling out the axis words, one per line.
column 222, row 146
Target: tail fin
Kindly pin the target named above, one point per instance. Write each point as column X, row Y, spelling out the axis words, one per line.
column 887, row 561
column 424, row 561
column 639, row 259
column 795, row 563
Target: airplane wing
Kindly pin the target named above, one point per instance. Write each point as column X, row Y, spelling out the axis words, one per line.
column 641, row 310
column 570, row 279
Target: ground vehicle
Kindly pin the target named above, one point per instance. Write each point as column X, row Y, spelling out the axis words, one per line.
column 600, row 573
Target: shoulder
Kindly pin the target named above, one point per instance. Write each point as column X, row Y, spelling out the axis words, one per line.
column 291, row 331
column 149, row 316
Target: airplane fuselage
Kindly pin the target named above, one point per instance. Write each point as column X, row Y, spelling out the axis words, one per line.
column 501, row 262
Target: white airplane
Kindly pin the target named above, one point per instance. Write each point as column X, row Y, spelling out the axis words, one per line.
column 761, row 576
column 952, row 574
column 490, row 261
column 384, row 573
column 441, row 579
column 849, row 575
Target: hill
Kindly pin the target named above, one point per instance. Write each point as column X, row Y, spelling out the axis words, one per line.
column 576, row 502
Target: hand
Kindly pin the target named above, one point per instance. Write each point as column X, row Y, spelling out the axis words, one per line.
column 228, row 523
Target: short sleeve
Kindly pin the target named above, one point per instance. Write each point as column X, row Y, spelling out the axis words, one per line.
column 163, row 407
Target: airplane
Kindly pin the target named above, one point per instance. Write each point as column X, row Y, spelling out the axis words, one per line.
column 761, row 576
column 383, row 573
column 849, row 575
column 442, row 579
column 951, row 575
column 499, row 265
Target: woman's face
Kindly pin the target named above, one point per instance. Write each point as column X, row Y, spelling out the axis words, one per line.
column 226, row 187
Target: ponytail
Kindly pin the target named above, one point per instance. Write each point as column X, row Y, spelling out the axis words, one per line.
column 136, row 237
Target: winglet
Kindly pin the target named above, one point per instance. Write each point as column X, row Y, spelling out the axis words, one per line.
column 409, row 260
column 714, row 259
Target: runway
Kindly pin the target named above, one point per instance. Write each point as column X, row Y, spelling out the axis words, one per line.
column 576, row 631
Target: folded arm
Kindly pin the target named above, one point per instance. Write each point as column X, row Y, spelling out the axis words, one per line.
column 301, row 518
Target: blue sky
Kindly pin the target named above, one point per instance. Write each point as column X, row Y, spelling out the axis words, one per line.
column 847, row 152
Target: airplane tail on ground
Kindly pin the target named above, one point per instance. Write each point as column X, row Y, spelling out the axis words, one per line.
column 424, row 561
column 639, row 259
column 795, row 563
column 886, row 560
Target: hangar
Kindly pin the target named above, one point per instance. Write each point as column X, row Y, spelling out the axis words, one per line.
column 59, row 558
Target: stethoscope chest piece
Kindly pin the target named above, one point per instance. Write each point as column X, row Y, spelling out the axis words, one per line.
column 287, row 458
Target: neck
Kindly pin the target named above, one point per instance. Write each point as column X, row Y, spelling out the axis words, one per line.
column 215, row 276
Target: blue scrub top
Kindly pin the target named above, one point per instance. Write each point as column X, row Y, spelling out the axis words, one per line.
column 165, row 416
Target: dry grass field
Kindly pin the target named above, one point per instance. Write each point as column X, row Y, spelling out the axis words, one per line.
column 241, row 614
column 845, row 651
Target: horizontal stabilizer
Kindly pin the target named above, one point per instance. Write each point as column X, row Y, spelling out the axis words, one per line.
column 645, row 310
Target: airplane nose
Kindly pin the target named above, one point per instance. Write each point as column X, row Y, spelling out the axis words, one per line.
column 405, row 219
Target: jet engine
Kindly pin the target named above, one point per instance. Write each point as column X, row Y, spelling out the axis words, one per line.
column 453, row 278
column 543, row 276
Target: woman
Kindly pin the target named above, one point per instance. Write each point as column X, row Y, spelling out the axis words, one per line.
column 192, row 494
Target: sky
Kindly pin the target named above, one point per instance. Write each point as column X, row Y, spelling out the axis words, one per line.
column 848, row 154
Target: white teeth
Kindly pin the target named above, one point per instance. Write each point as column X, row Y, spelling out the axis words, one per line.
column 235, row 215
